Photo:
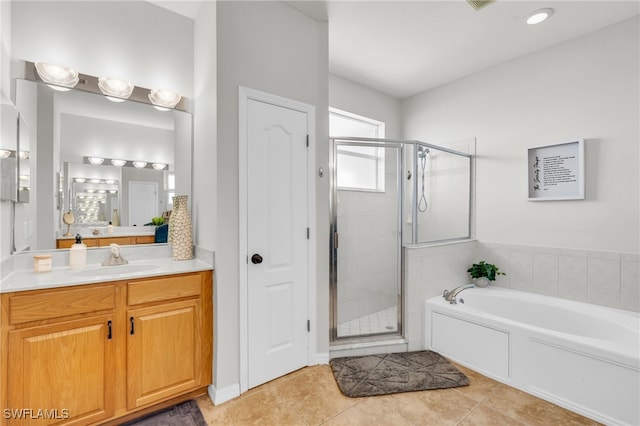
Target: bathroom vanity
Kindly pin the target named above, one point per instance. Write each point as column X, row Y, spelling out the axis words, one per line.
column 107, row 350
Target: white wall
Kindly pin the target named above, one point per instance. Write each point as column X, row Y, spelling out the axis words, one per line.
column 205, row 186
column 268, row 46
column 586, row 87
column 82, row 136
column 353, row 97
column 134, row 40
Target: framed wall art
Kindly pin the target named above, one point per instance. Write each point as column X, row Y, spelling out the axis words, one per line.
column 556, row 172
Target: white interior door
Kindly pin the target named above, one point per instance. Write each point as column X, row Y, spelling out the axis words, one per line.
column 277, row 241
column 143, row 202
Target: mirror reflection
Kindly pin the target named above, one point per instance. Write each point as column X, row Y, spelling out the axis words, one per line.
column 106, row 163
column 8, row 151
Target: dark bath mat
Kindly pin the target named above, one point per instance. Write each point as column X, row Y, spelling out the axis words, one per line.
column 185, row 414
column 393, row 373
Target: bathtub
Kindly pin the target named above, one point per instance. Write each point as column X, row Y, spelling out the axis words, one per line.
column 583, row 357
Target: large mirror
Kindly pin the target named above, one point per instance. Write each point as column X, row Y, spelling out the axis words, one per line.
column 106, row 162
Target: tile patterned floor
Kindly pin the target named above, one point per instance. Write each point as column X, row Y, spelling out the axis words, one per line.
column 384, row 321
column 310, row 397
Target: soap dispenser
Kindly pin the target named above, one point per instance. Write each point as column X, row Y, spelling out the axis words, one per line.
column 78, row 254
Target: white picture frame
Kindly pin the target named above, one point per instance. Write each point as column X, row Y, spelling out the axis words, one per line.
column 556, row 172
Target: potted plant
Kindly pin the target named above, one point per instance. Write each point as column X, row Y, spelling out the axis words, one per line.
column 484, row 272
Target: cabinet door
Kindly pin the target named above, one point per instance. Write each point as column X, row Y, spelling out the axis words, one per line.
column 163, row 352
column 62, row 373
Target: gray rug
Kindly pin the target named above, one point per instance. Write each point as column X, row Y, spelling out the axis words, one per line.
column 393, row 373
column 185, row 414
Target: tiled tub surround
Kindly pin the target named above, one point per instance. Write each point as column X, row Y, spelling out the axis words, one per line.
column 602, row 278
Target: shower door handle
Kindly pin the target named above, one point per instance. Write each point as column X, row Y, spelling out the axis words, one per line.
column 256, row 259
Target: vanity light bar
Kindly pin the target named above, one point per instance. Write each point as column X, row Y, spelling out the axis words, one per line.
column 93, row 180
column 115, row 89
column 8, row 153
column 125, row 163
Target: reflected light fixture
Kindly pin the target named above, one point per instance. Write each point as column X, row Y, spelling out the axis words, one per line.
column 139, row 164
column 164, row 99
column 539, row 16
column 118, row 163
column 114, row 89
column 159, row 166
column 79, row 180
column 5, row 153
column 95, row 160
column 57, row 76
column 24, row 155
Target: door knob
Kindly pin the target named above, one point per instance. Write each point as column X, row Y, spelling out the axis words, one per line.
column 256, row 258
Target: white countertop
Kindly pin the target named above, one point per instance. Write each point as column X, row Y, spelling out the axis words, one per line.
column 143, row 262
column 65, row 276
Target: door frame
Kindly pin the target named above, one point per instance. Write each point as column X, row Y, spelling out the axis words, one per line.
column 244, row 96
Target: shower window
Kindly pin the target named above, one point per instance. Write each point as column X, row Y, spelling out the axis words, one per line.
column 362, row 168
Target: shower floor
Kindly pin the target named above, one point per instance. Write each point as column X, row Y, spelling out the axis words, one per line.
column 384, row 321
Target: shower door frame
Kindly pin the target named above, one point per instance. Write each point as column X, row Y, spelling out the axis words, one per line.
column 334, row 236
column 333, row 215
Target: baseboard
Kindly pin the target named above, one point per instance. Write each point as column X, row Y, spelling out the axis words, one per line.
column 322, row 358
column 219, row 396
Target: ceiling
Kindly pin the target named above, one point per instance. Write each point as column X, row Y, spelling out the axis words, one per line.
column 403, row 48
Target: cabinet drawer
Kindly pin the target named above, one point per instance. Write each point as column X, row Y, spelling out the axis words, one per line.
column 60, row 303
column 66, row 243
column 123, row 241
column 159, row 289
column 146, row 239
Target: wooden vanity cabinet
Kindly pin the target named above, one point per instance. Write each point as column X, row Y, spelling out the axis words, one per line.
column 95, row 353
column 104, row 241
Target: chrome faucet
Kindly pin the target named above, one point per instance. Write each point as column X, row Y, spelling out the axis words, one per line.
column 114, row 258
column 450, row 296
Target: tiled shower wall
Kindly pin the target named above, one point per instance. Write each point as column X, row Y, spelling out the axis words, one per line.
column 602, row 278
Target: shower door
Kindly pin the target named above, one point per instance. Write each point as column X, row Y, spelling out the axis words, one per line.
column 366, row 286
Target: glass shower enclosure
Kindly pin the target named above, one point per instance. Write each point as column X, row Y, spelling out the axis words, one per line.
column 386, row 193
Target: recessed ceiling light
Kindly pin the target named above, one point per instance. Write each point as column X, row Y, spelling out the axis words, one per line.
column 539, row 16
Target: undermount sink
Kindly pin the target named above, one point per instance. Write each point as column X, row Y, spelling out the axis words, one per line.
column 114, row 270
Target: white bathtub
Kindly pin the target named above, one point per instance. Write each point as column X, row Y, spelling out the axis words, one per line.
column 580, row 356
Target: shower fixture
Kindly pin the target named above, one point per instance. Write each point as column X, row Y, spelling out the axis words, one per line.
column 422, row 156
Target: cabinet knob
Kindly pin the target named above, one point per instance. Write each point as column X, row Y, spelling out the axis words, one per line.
column 256, row 259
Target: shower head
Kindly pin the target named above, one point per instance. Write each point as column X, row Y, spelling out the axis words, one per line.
column 422, row 151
